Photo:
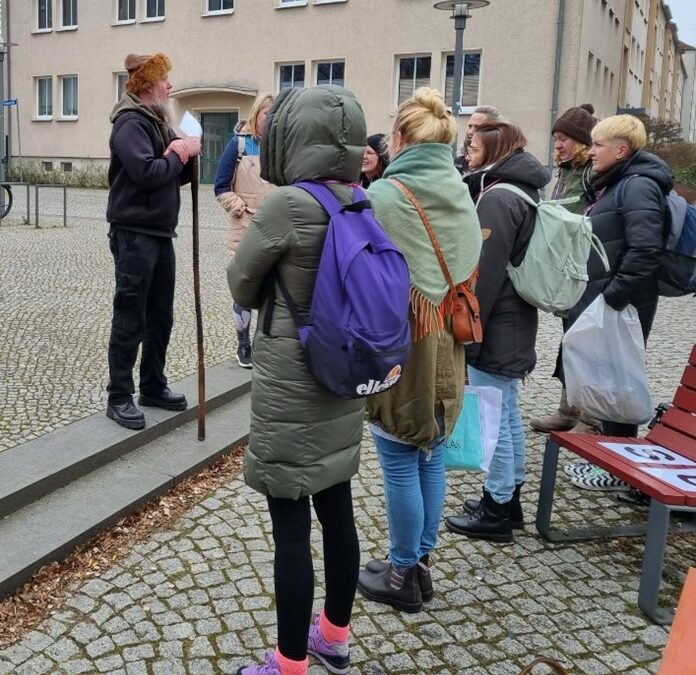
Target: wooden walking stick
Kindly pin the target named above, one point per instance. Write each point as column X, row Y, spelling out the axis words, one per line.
column 197, row 300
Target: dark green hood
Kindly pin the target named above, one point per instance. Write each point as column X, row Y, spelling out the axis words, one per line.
column 313, row 134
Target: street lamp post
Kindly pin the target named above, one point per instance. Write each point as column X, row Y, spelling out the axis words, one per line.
column 460, row 13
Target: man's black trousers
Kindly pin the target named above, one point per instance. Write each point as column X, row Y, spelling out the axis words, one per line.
column 143, row 311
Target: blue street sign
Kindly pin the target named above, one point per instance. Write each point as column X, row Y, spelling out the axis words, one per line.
column 9, row 102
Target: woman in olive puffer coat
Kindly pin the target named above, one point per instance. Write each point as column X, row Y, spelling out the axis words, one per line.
column 304, row 441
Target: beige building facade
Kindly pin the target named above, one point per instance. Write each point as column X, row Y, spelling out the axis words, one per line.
column 65, row 65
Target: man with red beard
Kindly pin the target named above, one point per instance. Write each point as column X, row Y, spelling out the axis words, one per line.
column 148, row 166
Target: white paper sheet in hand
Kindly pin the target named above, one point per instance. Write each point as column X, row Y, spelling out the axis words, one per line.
column 190, row 126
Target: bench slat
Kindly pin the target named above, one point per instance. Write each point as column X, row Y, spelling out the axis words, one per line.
column 678, row 658
column 685, row 399
column 586, row 445
column 680, row 421
column 673, row 440
column 689, row 377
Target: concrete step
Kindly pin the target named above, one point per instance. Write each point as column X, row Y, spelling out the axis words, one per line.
column 34, row 469
column 51, row 527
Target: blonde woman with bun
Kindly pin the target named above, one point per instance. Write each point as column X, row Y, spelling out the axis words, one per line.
column 410, row 421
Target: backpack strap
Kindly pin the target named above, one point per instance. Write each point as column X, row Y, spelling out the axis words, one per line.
column 241, row 147
column 429, row 229
column 621, row 191
column 519, row 193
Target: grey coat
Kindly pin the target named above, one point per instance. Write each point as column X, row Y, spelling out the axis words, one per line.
column 303, row 438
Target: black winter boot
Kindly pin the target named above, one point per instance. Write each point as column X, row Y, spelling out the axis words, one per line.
column 516, row 516
column 490, row 521
column 425, row 581
column 391, row 587
column 244, row 356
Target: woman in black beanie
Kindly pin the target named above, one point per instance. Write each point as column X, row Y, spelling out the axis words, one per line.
column 375, row 160
column 572, row 135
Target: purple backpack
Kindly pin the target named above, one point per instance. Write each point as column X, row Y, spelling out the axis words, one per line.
column 357, row 338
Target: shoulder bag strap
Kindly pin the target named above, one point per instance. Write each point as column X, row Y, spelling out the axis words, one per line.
column 429, row 229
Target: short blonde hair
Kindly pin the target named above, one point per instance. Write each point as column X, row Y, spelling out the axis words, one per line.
column 262, row 100
column 424, row 119
column 623, row 127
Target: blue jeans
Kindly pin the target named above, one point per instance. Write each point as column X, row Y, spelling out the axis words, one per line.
column 507, row 466
column 414, row 492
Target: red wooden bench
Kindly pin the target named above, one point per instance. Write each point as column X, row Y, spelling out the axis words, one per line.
column 671, row 490
column 678, row 658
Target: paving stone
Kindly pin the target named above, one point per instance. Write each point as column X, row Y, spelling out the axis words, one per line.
column 197, row 597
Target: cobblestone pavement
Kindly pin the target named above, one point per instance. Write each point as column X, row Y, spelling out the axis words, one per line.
column 198, row 598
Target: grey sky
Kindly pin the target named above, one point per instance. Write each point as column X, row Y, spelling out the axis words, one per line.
column 684, row 14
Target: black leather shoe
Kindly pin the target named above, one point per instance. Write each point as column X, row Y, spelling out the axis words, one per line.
column 516, row 516
column 126, row 414
column 490, row 521
column 400, row 590
column 166, row 399
column 425, row 580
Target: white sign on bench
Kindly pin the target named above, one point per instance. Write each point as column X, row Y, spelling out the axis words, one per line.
column 682, row 479
column 649, row 454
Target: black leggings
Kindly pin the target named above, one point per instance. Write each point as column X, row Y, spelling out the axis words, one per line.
column 294, row 571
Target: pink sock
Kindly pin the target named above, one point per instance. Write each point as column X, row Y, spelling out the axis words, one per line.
column 332, row 633
column 290, row 667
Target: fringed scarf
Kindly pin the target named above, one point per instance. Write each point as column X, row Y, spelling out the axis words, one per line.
column 428, row 170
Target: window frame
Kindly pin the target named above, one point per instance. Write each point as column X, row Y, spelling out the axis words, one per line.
column 397, row 72
column 38, row 115
column 48, row 4
column 206, row 11
column 157, row 17
column 129, row 21
column 294, row 64
column 331, row 62
column 116, row 76
column 68, row 26
column 468, row 109
column 287, row 4
column 62, row 80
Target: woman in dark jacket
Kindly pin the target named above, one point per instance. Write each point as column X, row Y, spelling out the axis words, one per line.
column 632, row 230
column 375, row 160
column 507, row 353
column 304, row 442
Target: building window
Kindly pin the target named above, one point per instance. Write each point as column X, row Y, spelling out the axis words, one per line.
column 154, row 9
column 44, row 97
column 68, row 13
column 291, row 75
column 68, row 91
column 414, row 72
column 218, row 6
column 66, row 167
column 470, row 81
column 331, row 72
column 125, row 10
column 47, row 166
column 44, row 14
column 120, row 80
column 291, row 3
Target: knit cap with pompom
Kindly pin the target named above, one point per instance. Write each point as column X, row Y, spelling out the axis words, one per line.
column 577, row 123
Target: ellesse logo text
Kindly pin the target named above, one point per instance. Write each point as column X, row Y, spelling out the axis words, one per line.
column 375, row 386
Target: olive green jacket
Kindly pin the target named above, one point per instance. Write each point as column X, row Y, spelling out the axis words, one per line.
column 574, row 182
column 303, row 439
column 432, row 382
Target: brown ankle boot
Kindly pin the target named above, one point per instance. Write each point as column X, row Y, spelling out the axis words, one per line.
column 564, row 419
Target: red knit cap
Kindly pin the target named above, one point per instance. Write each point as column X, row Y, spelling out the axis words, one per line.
column 145, row 70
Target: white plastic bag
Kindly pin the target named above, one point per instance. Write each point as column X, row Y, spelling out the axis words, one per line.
column 475, row 435
column 604, row 365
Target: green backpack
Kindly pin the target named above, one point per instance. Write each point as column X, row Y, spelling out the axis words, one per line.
column 553, row 273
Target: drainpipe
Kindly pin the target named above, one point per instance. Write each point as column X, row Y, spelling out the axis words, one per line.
column 556, row 74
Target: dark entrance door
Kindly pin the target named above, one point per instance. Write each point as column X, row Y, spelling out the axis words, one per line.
column 217, row 129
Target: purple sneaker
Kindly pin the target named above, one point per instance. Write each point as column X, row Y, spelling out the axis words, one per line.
column 334, row 656
column 271, row 667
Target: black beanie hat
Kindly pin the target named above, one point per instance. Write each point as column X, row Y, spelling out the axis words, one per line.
column 577, row 123
column 376, row 142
